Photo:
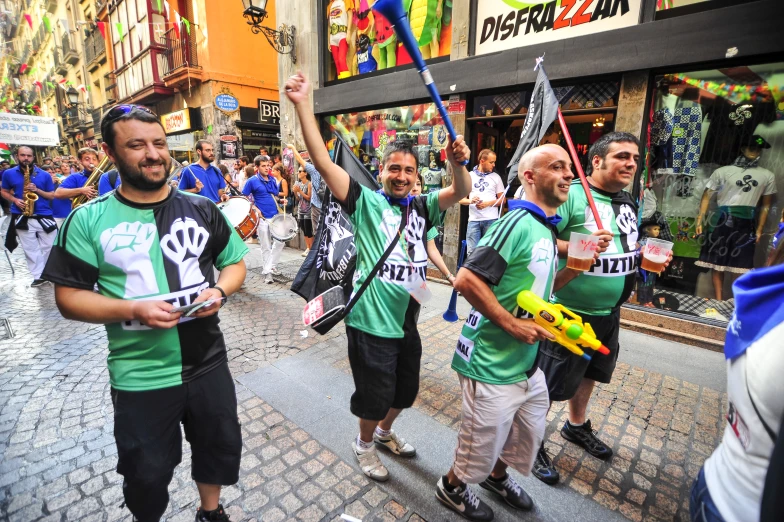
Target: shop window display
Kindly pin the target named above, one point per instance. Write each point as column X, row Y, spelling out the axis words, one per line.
column 716, row 166
column 361, row 41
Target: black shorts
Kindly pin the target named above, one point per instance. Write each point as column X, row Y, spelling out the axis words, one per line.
column 149, row 441
column 386, row 371
column 306, row 225
column 564, row 370
column 730, row 245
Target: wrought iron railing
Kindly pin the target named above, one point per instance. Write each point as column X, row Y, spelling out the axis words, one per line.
column 94, row 46
column 179, row 51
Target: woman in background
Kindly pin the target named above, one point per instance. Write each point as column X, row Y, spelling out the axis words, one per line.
column 303, row 191
column 432, row 249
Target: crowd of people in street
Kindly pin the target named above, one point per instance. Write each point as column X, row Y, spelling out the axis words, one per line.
column 141, row 257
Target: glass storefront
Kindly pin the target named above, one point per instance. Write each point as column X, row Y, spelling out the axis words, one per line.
column 369, row 132
column 360, row 41
column 589, row 110
column 715, row 166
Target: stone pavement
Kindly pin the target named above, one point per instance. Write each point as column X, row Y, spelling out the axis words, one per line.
column 661, row 429
column 57, row 454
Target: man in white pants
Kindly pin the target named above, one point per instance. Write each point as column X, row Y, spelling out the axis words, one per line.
column 265, row 190
column 36, row 233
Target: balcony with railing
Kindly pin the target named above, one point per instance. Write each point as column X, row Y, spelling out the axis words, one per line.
column 179, row 60
column 76, row 119
column 110, row 80
column 69, row 50
column 94, row 50
column 60, row 67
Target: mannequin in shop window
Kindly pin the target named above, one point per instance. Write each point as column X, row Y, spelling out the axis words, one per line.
column 733, row 231
column 340, row 14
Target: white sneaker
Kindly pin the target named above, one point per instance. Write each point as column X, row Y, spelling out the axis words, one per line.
column 370, row 464
column 268, row 279
column 306, row 252
column 395, row 444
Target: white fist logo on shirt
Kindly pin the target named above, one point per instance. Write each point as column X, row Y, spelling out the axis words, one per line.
column 183, row 245
column 127, row 246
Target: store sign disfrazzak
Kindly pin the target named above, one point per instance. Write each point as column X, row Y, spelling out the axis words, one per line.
column 507, row 24
column 269, row 112
column 176, row 121
column 226, row 102
column 19, row 129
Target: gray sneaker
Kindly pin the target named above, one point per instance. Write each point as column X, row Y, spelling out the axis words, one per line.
column 464, row 502
column 510, row 491
column 395, row 444
column 268, row 279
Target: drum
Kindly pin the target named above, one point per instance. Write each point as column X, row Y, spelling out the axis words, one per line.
column 283, row 227
column 242, row 215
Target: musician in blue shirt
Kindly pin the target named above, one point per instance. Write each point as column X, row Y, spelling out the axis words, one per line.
column 213, row 186
column 36, row 233
column 265, row 190
column 74, row 184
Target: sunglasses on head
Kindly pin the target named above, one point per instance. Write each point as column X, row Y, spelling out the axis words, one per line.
column 118, row 111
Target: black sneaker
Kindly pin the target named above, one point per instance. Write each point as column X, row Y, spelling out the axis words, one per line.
column 586, row 437
column 510, row 491
column 544, row 469
column 37, row 283
column 464, row 502
column 219, row 515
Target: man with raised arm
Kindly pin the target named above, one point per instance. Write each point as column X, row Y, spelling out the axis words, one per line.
column 383, row 342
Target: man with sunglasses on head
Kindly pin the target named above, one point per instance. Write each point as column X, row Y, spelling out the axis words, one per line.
column 151, row 248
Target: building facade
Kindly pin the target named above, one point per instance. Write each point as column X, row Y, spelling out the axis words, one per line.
column 194, row 62
column 695, row 80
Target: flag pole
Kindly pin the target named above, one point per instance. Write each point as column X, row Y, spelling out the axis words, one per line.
column 578, row 166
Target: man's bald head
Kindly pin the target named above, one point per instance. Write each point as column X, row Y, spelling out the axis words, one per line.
column 542, row 155
column 546, row 173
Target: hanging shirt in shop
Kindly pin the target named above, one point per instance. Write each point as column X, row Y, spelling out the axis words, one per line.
column 686, row 135
column 741, row 187
column 487, row 186
column 731, row 125
column 610, row 280
column 433, row 178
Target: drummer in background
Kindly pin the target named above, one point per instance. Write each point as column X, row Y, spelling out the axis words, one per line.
column 264, row 189
column 202, row 177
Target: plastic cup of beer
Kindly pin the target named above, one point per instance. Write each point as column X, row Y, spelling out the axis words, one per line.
column 581, row 251
column 655, row 254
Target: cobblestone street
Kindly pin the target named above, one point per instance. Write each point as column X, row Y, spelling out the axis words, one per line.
column 58, row 457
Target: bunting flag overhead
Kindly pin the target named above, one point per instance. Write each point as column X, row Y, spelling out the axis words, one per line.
column 29, row 21
column 47, row 24
column 187, row 24
column 102, row 28
column 120, row 30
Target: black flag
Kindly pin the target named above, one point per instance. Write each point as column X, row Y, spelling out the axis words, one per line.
column 333, row 258
column 542, row 112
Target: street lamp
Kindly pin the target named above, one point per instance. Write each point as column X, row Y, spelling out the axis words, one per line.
column 283, row 40
column 73, row 96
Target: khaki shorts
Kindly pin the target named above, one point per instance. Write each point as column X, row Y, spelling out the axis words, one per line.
column 500, row 421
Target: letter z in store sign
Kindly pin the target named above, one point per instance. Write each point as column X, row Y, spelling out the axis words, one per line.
column 534, row 22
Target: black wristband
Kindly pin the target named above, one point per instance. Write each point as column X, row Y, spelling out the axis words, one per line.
column 225, row 297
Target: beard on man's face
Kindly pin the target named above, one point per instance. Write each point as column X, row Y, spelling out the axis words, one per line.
column 134, row 175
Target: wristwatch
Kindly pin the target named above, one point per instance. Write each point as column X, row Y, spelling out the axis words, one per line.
column 223, row 293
